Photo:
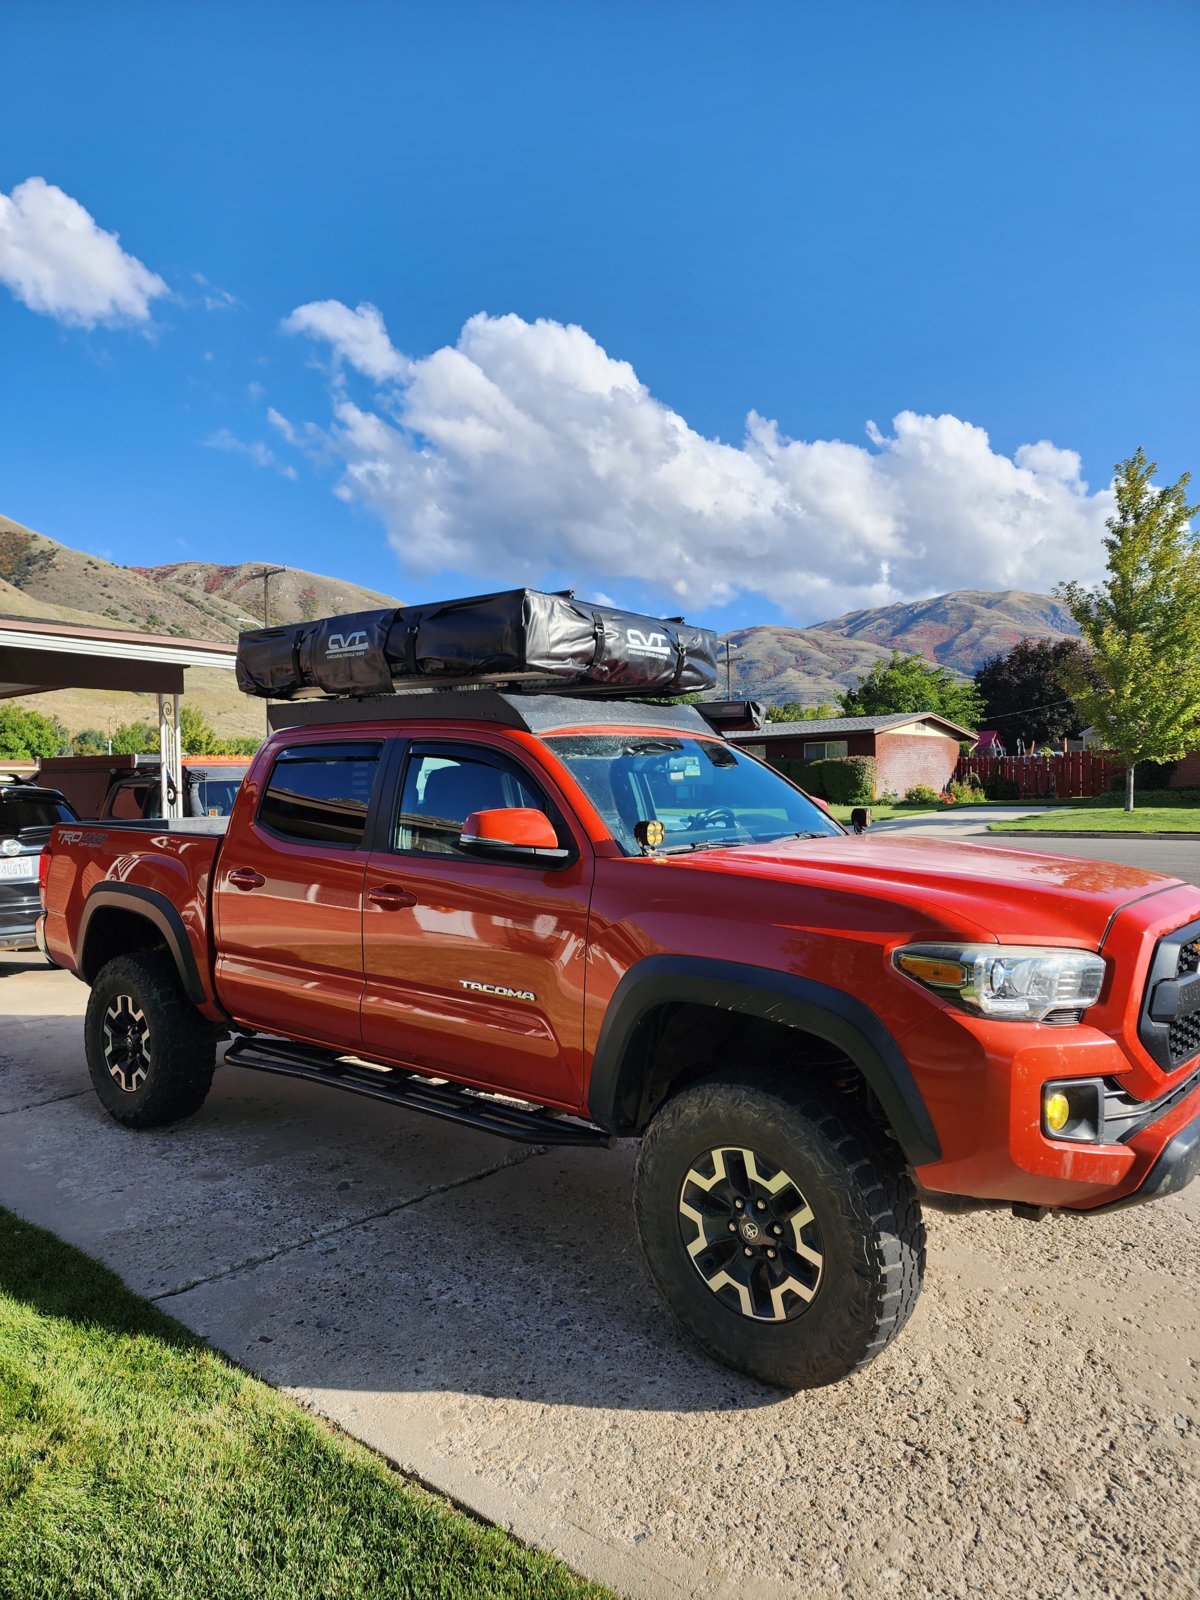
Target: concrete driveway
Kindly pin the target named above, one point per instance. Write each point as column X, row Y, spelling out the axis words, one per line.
column 478, row 1312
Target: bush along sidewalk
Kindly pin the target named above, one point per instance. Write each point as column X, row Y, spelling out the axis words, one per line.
column 138, row 1464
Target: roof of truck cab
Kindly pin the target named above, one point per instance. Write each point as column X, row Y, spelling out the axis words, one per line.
column 531, row 713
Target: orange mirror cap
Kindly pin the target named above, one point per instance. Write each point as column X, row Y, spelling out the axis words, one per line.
column 515, row 825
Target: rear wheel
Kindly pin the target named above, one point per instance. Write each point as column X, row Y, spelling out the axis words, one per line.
column 150, row 1053
column 782, row 1231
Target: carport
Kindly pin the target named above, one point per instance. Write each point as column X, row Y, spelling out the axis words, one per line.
column 37, row 657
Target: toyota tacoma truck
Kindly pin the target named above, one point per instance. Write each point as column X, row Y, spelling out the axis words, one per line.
column 574, row 922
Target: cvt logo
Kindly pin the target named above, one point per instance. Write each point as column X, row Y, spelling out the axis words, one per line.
column 347, row 644
column 647, row 644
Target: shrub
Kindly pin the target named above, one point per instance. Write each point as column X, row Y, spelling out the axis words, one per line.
column 843, row 781
column 1001, row 789
column 967, row 791
column 922, row 794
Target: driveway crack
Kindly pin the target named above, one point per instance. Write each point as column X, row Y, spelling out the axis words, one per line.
column 33, row 1105
column 526, row 1153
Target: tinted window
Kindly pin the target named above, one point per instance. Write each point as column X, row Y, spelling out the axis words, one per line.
column 703, row 791
column 441, row 791
column 320, row 793
column 130, row 801
column 31, row 811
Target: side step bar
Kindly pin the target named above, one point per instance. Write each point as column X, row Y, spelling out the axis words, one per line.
column 450, row 1101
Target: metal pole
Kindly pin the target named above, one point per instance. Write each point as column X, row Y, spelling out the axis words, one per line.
column 170, row 757
column 266, row 575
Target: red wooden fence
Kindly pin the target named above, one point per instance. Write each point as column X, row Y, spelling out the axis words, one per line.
column 1071, row 773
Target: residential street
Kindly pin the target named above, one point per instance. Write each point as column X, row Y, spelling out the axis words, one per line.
column 478, row 1311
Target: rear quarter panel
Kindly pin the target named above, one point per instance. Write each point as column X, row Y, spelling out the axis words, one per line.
column 176, row 865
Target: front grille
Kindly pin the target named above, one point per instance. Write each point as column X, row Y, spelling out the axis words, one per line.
column 1183, row 1036
column 1169, row 1026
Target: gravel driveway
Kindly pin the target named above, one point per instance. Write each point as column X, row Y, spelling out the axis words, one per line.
column 478, row 1312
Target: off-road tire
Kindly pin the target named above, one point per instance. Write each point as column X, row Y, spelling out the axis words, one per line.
column 171, row 1071
column 866, row 1219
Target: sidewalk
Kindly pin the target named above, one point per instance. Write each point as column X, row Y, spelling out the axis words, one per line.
column 957, row 822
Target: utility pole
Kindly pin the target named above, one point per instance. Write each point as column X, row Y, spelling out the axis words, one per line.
column 729, row 667
column 266, row 575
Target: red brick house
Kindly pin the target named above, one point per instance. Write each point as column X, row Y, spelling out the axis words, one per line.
column 909, row 747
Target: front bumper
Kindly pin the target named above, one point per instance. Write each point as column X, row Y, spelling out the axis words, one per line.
column 1174, row 1169
column 983, row 1085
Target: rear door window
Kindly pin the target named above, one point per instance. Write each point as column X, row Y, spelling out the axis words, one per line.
column 321, row 793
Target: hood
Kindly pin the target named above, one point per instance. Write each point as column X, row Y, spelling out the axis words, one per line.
column 1017, row 896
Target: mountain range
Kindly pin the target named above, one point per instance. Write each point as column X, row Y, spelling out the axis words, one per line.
column 40, row 577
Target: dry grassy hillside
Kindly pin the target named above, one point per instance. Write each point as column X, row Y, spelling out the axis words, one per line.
column 41, row 578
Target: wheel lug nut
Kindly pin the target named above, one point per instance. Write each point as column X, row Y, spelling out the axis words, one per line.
column 776, row 1229
column 761, row 1204
column 771, row 1253
column 747, row 1252
column 733, row 1227
column 739, row 1204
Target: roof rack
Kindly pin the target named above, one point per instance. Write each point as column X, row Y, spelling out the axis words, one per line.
column 532, row 713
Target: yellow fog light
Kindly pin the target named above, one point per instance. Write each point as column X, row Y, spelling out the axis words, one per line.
column 1056, row 1109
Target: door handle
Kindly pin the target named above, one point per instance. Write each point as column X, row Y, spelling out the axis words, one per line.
column 391, row 897
column 246, row 878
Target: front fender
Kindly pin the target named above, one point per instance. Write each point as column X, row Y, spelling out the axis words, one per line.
column 802, row 1003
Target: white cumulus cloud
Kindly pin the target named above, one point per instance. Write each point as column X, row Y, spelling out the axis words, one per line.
column 253, row 449
column 525, row 449
column 57, row 260
column 357, row 336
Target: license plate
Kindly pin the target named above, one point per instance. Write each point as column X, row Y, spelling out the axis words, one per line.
column 20, row 868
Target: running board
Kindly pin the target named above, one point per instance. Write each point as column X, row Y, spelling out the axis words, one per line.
column 415, row 1092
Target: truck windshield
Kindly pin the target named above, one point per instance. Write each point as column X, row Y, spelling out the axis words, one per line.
column 704, row 791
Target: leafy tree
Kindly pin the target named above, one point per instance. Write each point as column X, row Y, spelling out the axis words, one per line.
column 238, row 747
column 910, row 683
column 1025, row 691
column 196, row 734
column 89, row 742
column 1143, row 623
column 135, row 739
column 28, row 735
column 797, row 711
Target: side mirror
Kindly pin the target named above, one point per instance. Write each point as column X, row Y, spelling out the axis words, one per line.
column 518, row 831
column 860, row 819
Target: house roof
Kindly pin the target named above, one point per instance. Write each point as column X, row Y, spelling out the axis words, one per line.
column 828, row 726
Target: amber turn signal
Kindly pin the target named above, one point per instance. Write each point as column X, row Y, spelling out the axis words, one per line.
column 931, row 969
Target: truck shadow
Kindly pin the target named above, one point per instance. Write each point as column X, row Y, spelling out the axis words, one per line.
column 332, row 1250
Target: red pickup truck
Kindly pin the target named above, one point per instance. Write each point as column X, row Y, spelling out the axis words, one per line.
column 572, row 922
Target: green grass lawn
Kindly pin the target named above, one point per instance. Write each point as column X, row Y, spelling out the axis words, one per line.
column 1109, row 818
column 138, row 1464
column 880, row 812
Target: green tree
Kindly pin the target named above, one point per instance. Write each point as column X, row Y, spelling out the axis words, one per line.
column 89, row 742
column 910, row 683
column 135, row 739
column 196, row 734
column 29, row 736
column 797, row 711
column 1143, row 623
column 1025, row 691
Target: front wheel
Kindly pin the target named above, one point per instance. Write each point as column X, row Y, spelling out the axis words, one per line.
column 149, row 1051
column 780, row 1229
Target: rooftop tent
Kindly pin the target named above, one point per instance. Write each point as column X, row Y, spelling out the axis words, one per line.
column 520, row 637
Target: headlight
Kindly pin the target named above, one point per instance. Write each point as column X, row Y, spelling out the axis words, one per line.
column 1026, row 983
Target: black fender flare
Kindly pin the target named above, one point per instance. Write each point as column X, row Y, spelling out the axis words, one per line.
column 817, row 1008
column 154, row 908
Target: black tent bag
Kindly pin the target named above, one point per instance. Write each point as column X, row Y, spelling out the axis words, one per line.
column 520, row 636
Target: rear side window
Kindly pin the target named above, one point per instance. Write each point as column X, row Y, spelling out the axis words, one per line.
column 321, row 793
column 31, row 811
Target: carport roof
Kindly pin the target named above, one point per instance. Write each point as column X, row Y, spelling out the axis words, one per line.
column 38, row 655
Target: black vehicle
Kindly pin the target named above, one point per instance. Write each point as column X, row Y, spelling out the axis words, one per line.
column 27, row 814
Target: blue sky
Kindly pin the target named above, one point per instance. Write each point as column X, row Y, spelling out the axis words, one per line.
column 980, row 219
